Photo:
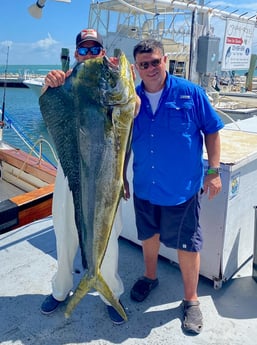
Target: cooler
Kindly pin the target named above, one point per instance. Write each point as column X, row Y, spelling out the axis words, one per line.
column 227, row 220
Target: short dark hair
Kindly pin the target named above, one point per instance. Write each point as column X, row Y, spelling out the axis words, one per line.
column 147, row 46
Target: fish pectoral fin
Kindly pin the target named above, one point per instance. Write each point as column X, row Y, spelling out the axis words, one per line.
column 105, row 291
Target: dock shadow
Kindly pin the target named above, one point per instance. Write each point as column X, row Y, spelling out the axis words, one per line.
column 235, row 299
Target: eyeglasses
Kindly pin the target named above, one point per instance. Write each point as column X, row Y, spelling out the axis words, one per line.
column 146, row 64
column 83, row 51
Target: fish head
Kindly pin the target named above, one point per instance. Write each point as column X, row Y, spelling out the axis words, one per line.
column 117, row 81
column 104, row 81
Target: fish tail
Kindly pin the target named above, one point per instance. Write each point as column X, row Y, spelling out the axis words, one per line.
column 82, row 289
column 105, row 291
column 98, row 283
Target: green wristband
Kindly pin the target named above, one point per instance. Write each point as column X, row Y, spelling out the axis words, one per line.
column 211, row 171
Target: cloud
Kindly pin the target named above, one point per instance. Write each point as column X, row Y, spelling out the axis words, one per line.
column 43, row 51
column 46, row 43
column 6, row 44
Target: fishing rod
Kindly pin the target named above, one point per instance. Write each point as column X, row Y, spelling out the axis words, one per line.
column 5, row 85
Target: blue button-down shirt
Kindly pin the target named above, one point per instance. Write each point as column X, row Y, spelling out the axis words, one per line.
column 168, row 145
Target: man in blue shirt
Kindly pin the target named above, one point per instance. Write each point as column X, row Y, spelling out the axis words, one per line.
column 174, row 119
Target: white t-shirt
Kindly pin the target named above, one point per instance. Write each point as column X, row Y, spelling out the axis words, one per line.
column 154, row 99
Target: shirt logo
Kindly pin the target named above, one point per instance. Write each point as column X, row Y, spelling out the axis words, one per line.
column 185, row 97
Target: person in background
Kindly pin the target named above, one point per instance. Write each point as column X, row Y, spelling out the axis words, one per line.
column 89, row 45
column 168, row 172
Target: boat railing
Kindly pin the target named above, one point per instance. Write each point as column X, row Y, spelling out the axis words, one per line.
column 21, row 76
column 37, row 76
column 35, row 148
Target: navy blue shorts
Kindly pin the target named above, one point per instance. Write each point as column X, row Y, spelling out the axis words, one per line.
column 177, row 225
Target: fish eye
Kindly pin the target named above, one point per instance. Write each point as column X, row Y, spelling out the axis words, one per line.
column 107, row 74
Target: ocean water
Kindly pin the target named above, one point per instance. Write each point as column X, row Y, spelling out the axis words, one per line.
column 27, row 69
column 22, row 107
column 44, row 69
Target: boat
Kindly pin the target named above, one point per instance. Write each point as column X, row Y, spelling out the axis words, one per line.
column 26, row 179
column 35, row 84
column 26, row 186
column 11, row 80
column 20, row 80
column 248, row 99
column 175, row 24
column 231, row 109
column 237, row 94
column 233, row 106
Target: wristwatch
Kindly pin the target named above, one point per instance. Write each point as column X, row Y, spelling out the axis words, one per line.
column 213, row 170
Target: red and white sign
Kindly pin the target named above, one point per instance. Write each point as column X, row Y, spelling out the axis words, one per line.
column 237, row 47
column 234, row 40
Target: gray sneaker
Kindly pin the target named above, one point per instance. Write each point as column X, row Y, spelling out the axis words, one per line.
column 192, row 317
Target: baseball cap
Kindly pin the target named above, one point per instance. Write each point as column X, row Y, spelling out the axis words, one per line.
column 89, row 35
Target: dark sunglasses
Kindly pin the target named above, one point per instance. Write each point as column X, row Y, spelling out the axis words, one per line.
column 83, row 51
column 146, row 64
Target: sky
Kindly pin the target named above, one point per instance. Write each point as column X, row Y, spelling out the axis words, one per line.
column 39, row 41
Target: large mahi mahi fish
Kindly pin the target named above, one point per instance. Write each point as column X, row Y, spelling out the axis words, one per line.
column 90, row 120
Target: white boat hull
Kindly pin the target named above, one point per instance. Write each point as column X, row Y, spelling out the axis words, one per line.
column 245, row 99
column 35, row 84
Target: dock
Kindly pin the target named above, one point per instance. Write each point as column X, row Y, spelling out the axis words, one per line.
column 12, row 82
column 16, row 80
column 28, row 263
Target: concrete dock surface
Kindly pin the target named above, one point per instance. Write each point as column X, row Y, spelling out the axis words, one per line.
column 28, row 263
